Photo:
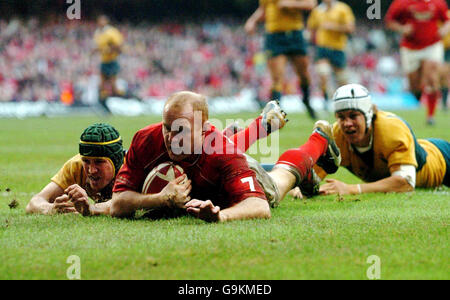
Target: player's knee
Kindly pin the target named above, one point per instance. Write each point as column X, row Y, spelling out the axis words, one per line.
column 277, row 79
column 323, row 69
column 342, row 77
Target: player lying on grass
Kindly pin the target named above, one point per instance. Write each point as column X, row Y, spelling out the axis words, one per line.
column 223, row 184
column 381, row 148
column 91, row 173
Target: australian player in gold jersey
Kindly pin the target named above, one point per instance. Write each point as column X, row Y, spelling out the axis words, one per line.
column 89, row 174
column 382, row 150
column 330, row 23
column 284, row 41
column 108, row 41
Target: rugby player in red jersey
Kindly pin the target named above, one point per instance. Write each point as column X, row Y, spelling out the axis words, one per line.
column 421, row 48
column 223, row 184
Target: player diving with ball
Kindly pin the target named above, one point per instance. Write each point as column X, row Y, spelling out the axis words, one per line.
column 223, row 184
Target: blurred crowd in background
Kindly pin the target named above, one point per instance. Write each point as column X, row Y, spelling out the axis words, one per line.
column 55, row 61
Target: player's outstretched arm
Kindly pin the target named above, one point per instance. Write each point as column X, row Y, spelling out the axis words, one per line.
column 392, row 183
column 250, row 208
column 87, row 209
column 124, row 204
column 50, row 200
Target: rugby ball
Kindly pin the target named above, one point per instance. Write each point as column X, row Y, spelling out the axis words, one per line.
column 160, row 176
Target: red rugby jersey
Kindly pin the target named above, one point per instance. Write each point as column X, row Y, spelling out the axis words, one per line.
column 222, row 175
column 424, row 15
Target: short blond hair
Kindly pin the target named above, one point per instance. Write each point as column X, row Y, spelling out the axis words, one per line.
column 198, row 102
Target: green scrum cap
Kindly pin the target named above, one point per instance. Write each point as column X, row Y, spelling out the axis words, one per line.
column 102, row 140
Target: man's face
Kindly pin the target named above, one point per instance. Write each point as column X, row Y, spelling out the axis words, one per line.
column 99, row 172
column 353, row 125
column 182, row 131
column 102, row 21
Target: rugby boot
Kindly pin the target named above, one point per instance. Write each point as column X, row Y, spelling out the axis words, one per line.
column 331, row 160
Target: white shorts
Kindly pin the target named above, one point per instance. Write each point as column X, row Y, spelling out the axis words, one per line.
column 411, row 59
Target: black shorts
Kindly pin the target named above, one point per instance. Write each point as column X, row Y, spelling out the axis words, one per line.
column 287, row 43
column 110, row 69
column 447, row 55
column 336, row 57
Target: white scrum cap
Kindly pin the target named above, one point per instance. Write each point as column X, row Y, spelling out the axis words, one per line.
column 354, row 97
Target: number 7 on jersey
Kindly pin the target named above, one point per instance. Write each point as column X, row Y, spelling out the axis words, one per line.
column 250, row 183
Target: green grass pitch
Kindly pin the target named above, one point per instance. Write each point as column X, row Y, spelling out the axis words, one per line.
column 319, row 238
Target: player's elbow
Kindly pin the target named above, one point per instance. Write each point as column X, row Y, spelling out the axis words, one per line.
column 311, row 4
column 30, row 207
column 262, row 209
column 391, row 25
column 401, row 185
column 350, row 29
column 265, row 211
column 119, row 207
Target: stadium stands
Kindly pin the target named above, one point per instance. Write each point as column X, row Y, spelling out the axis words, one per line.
column 53, row 62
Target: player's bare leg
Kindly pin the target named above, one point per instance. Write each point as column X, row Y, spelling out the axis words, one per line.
column 115, row 90
column 341, row 76
column 277, row 67
column 431, row 88
column 301, row 63
column 284, row 180
column 414, row 84
column 323, row 70
column 105, row 91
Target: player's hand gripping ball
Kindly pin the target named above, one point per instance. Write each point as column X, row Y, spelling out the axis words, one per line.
column 160, row 176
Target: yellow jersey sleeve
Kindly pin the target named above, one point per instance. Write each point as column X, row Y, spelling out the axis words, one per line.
column 116, row 37
column 70, row 173
column 394, row 140
column 347, row 13
column 313, row 22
